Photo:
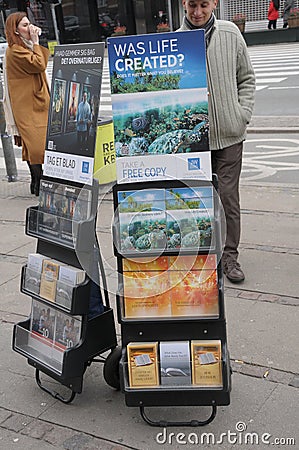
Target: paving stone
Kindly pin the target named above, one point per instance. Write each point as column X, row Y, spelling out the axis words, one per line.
column 253, row 371
column 278, row 376
column 280, row 250
column 295, row 382
column 77, row 442
column 58, row 435
column 236, row 366
column 249, row 295
column 229, row 292
column 269, row 297
column 4, row 415
column 37, row 429
column 96, row 444
column 290, row 301
column 16, row 422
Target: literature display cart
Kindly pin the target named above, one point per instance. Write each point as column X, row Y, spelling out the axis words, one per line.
column 170, row 300
column 69, row 325
column 167, row 227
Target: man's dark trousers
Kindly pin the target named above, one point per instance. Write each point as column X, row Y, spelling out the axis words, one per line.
column 227, row 164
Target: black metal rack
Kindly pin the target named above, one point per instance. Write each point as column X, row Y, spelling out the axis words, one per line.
column 97, row 334
column 160, row 329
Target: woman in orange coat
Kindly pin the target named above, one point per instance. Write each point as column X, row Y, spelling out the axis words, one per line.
column 27, row 91
column 273, row 14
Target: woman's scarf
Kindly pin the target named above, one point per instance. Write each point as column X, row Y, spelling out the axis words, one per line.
column 9, row 117
column 11, row 126
column 29, row 44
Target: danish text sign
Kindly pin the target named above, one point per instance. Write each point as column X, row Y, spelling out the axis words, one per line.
column 73, row 115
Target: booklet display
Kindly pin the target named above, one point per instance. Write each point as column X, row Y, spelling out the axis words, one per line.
column 51, row 279
column 56, row 329
column 33, row 272
column 165, row 219
column 182, row 363
column 175, row 366
column 143, row 364
column 59, row 207
column 206, row 363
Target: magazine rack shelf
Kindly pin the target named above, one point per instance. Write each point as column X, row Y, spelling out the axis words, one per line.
column 81, row 229
column 75, row 305
column 156, row 325
column 65, row 358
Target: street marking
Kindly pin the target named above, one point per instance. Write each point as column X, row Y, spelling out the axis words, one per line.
column 279, row 74
column 259, row 88
column 264, row 162
column 270, row 69
column 284, row 87
column 274, row 59
column 270, row 80
column 276, row 65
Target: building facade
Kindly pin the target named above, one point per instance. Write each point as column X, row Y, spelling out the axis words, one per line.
column 70, row 21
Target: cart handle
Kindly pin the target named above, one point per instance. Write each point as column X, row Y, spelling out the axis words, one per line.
column 165, row 423
column 53, row 393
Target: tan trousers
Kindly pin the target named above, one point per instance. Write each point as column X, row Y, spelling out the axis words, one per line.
column 227, row 163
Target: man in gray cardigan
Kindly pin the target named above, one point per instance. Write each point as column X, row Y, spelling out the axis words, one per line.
column 231, row 89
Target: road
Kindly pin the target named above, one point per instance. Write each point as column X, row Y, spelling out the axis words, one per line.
column 271, row 158
column 276, row 69
column 266, row 157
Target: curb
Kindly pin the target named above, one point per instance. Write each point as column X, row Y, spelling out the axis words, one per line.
column 269, row 130
column 273, row 124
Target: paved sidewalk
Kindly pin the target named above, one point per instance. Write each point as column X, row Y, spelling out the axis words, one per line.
column 262, row 326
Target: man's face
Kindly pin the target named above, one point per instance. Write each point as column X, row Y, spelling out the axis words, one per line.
column 199, row 11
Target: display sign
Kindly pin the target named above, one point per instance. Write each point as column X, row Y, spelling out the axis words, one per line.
column 160, row 106
column 104, row 159
column 73, row 116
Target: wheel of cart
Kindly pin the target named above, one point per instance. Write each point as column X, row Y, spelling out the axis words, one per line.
column 111, row 369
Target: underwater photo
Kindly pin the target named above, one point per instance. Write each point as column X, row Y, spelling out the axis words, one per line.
column 179, row 124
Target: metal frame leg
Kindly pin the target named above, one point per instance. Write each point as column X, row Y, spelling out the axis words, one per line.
column 53, row 393
column 192, row 423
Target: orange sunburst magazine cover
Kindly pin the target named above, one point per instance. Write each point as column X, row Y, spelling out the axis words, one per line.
column 145, row 264
column 194, row 293
column 146, row 294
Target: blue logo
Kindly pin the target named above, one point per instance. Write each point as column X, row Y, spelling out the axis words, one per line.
column 193, row 163
column 85, row 167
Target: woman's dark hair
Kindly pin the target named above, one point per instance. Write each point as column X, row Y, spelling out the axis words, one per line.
column 276, row 4
column 11, row 26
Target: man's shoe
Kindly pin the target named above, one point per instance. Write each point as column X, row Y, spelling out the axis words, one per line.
column 233, row 271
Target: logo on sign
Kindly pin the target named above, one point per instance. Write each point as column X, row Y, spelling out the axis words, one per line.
column 85, row 167
column 193, row 163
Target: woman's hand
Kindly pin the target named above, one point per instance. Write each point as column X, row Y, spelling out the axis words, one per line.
column 34, row 33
